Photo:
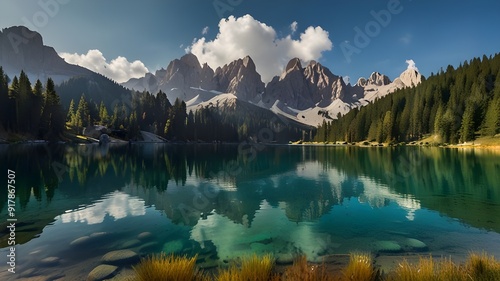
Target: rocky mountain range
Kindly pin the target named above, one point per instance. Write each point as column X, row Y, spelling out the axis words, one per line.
column 306, row 93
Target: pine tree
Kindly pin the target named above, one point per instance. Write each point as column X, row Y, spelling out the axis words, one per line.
column 4, row 100
column 36, row 106
column 82, row 115
column 14, row 104
column 133, row 129
column 190, row 126
column 491, row 125
column 387, row 127
column 52, row 120
column 24, row 103
column 71, row 112
column 467, row 127
column 103, row 114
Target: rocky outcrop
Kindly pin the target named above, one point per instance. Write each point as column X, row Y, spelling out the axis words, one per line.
column 147, row 83
column 184, row 76
column 302, row 88
column 23, row 49
column 375, row 79
column 409, row 78
column 240, row 78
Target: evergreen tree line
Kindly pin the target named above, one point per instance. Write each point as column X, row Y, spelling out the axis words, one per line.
column 458, row 105
column 145, row 112
column 207, row 124
column 35, row 111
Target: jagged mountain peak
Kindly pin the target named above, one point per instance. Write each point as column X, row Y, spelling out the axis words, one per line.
column 378, row 79
column 248, row 63
column 191, row 60
column 293, row 64
column 411, row 78
column 362, row 82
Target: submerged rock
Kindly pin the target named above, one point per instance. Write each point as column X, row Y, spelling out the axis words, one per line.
column 415, row 245
column 131, row 244
column 145, row 236
column 149, row 247
column 173, row 246
column 102, row 272
column 98, row 234
column 387, row 247
column 50, row 261
column 80, row 241
column 120, row 257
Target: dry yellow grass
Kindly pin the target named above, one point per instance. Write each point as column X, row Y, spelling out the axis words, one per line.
column 165, row 268
column 423, row 270
column 302, row 271
column 252, row 268
column 479, row 267
column 360, row 268
column 482, row 267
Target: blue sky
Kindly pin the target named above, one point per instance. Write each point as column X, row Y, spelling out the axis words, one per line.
column 431, row 33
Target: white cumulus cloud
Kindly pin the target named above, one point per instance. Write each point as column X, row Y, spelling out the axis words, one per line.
column 411, row 65
column 205, row 30
column 239, row 37
column 294, row 26
column 119, row 69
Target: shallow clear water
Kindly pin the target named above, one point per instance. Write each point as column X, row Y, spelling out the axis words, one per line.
column 76, row 203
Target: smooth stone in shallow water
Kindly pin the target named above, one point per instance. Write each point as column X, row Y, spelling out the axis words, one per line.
column 80, row 241
column 102, row 272
column 50, row 261
column 28, row 272
column 415, row 244
column 120, row 257
column 173, row 246
column 149, row 247
column 131, row 244
column 145, row 236
column 387, row 247
column 98, row 234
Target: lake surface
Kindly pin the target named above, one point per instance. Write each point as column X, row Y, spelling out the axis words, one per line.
column 76, row 203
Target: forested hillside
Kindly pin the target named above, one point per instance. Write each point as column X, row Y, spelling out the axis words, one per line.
column 33, row 111
column 29, row 112
column 457, row 105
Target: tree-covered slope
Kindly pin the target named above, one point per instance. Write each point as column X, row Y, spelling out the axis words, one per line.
column 457, row 105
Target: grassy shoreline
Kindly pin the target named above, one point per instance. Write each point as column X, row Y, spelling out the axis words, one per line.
column 360, row 266
column 492, row 143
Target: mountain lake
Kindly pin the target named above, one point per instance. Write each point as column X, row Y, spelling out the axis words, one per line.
column 77, row 203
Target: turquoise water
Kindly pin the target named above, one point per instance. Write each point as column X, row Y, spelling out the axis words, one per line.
column 76, row 203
